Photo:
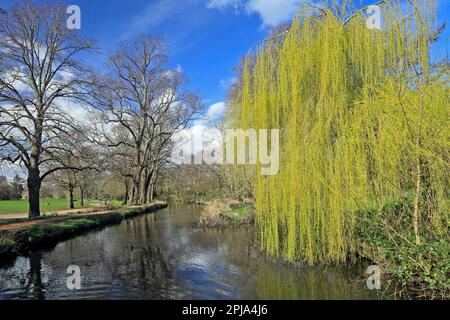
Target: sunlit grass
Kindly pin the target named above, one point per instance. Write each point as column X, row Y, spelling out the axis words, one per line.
column 47, row 205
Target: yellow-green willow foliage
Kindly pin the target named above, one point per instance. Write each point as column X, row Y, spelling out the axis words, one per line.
column 362, row 116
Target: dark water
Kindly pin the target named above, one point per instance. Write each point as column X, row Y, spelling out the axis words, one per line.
column 160, row 256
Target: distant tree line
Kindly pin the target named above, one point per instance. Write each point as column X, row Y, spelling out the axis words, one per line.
column 136, row 106
column 11, row 190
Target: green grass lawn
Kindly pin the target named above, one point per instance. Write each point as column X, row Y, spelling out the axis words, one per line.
column 47, row 205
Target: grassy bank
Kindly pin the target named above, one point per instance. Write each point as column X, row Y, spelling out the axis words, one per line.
column 226, row 213
column 10, row 207
column 21, row 239
column 415, row 270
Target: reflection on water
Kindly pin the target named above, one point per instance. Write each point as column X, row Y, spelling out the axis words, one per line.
column 160, row 256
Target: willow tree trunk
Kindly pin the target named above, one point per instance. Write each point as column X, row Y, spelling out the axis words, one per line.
column 34, row 188
column 416, row 215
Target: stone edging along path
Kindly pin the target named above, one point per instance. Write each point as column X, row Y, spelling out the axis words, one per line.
column 19, row 238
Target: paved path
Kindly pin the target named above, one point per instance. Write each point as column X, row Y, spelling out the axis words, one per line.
column 12, row 226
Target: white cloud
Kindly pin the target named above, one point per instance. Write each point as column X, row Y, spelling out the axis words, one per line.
column 228, row 82
column 195, row 140
column 178, row 69
column 78, row 112
column 272, row 12
column 216, row 110
column 202, row 136
column 221, row 4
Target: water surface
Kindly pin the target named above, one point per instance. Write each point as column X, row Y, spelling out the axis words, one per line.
column 161, row 256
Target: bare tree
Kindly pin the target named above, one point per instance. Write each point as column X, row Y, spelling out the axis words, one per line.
column 80, row 163
column 39, row 78
column 119, row 159
column 149, row 104
column 66, row 180
column 84, row 181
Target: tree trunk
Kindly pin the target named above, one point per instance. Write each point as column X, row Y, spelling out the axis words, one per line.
column 34, row 188
column 416, row 216
column 144, row 196
column 152, row 185
column 71, row 202
column 125, row 200
column 136, row 190
column 133, row 192
column 151, row 192
column 82, row 197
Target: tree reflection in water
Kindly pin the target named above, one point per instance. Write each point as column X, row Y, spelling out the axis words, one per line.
column 161, row 256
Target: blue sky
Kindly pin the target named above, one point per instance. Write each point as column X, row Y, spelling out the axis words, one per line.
column 206, row 38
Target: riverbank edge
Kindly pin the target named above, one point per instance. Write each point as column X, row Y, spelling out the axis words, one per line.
column 222, row 214
column 369, row 247
column 19, row 241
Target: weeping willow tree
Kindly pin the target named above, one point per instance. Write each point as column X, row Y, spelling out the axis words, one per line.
column 364, row 119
